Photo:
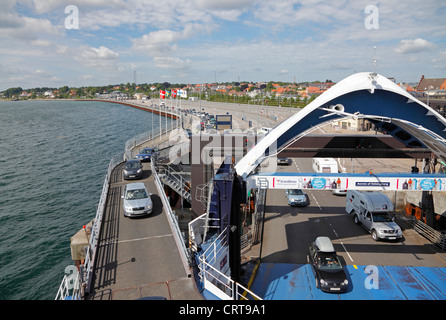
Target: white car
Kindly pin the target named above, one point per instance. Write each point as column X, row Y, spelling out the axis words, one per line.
column 137, row 200
column 339, row 192
column 284, row 160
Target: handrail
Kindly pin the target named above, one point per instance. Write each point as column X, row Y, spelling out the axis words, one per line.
column 224, row 287
column 70, row 287
column 434, row 236
column 90, row 258
column 184, row 253
column 214, row 280
column 176, row 176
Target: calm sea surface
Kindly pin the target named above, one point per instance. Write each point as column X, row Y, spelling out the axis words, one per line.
column 53, row 160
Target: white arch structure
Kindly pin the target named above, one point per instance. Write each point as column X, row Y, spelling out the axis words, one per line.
column 363, row 95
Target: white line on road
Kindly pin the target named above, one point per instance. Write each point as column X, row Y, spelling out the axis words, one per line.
column 320, row 208
column 138, row 239
column 334, row 231
column 347, row 252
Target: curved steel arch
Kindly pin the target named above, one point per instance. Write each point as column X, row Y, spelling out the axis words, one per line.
column 365, row 95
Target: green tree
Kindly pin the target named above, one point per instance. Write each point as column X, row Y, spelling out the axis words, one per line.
column 12, row 91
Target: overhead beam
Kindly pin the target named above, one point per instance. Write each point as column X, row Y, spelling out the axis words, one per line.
column 352, row 146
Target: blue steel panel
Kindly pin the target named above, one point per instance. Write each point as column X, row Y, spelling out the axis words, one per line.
column 433, row 279
column 357, row 289
column 408, row 284
column 361, row 289
column 296, row 282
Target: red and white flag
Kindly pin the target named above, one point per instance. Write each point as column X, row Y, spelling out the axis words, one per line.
column 162, row 94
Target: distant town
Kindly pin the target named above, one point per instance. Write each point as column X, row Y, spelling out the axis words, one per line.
column 270, row 93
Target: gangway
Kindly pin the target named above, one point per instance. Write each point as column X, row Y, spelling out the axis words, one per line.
column 125, row 268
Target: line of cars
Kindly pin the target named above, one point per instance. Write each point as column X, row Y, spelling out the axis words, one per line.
column 137, row 201
column 133, row 168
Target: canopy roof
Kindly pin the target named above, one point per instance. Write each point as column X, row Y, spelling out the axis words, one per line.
column 364, row 95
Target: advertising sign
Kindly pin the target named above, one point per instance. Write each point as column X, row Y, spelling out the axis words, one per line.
column 345, row 181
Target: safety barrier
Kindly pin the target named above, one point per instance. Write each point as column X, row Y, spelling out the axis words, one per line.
column 70, row 288
column 214, row 280
column 436, row 237
column 184, row 253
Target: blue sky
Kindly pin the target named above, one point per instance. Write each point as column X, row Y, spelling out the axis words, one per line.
column 196, row 41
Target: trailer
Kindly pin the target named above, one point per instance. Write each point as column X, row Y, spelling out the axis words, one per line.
column 371, row 210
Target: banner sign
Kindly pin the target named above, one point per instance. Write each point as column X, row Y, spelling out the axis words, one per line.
column 346, row 181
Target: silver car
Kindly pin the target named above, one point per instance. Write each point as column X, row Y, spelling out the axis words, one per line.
column 137, row 200
column 284, row 160
column 296, row 197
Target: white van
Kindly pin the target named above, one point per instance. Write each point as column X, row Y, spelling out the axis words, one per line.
column 265, row 130
column 325, row 165
column 371, row 210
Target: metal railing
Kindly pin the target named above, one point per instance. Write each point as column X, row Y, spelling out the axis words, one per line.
column 90, row 257
column 184, row 253
column 257, row 225
column 175, row 180
column 70, row 288
column 436, row 237
column 214, row 280
column 96, row 227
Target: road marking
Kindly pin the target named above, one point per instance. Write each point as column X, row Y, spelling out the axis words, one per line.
column 334, row 231
column 137, row 239
column 347, row 252
column 145, row 238
column 320, row 208
column 297, row 167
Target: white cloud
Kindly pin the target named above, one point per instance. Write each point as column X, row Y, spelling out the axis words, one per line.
column 229, row 10
column 171, row 63
column 224, row 4
column 16, row 27
column 41, row 43
column 101, row 57
column 163, row 42
column 413, row 46
column 44, row 6
column 157, row 42
column 283, row 72
column 312, row 39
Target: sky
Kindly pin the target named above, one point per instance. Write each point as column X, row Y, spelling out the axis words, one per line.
column 53, row 43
